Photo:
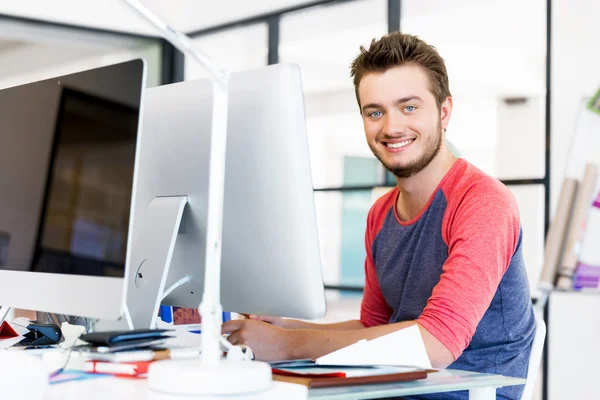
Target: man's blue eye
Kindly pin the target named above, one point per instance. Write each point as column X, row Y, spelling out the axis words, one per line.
column 410, row 108
column 375, row 114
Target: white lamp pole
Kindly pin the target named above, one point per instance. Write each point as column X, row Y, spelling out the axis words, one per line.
column 211, row 375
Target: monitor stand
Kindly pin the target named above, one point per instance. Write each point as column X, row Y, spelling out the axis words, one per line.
column 151, row 254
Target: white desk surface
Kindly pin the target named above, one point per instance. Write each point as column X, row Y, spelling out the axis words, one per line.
column 480, row 386
column 131, row 389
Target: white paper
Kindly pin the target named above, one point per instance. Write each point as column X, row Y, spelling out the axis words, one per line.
column 402, row 348
column 184, row 339
column 358, row 372
column 6, row 343
column 20, row 325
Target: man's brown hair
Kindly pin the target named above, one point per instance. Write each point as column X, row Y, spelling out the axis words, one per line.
column 397, row 49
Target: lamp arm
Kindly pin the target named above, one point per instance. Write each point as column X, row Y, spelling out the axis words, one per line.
column 210, row 308
column 182, row 43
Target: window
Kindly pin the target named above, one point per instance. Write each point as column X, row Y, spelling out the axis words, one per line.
column 497, row 78
column 340, row 156
column 233, row 50
column 324, row 54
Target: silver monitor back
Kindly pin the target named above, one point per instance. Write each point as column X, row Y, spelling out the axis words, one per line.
column 270, row 258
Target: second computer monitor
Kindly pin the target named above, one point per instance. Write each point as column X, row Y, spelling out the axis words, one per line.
column 270, row 251
column 68, row 163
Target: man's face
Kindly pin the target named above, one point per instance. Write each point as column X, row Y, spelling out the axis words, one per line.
column 402, row 122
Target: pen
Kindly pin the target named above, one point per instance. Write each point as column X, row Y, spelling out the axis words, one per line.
column 119, row 369
column 176, row 354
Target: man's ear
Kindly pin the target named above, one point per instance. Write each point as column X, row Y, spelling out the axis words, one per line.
column 445, row 112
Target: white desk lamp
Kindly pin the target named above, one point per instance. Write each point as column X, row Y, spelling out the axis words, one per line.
column 211, row 375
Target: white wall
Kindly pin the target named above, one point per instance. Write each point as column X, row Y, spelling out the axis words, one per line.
column 473, row 129
column 575, row 74
column 520, row 138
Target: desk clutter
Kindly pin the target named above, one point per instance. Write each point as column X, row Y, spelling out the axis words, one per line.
column 68, row 353
column 23, row 332
column 130, row 353
column 396, row 357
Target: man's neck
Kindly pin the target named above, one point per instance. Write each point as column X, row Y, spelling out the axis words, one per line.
column 416, row 191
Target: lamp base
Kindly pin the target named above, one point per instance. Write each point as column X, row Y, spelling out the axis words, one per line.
column 193, row 378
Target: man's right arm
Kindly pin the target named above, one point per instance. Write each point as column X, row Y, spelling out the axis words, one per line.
column 287, row 323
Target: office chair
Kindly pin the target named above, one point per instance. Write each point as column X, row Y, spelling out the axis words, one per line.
column 536, row 355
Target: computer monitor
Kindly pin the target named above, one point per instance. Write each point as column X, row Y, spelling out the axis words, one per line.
column 270, row 251
column 67, row 172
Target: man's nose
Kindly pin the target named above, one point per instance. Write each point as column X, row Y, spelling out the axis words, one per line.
column 395, row 124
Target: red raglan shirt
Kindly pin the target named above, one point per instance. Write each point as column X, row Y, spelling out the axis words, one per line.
column 457, row 269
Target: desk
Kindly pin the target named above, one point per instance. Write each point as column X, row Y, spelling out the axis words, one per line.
column 480, row 386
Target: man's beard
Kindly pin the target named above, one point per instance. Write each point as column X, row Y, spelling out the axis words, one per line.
column 432, row 148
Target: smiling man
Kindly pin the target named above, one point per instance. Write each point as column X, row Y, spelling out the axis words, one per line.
column 444, row 247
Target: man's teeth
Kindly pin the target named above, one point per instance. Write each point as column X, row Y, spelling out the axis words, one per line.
column 398, row 145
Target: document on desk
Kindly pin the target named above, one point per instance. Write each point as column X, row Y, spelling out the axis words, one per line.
column 401, row 348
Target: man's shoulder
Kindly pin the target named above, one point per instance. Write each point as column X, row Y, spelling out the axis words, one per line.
column 469, row 184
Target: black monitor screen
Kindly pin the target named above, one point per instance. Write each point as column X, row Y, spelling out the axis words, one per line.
column 81, row 192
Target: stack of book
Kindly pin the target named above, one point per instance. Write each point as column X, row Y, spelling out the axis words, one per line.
column 129, row 353
column 134, row 363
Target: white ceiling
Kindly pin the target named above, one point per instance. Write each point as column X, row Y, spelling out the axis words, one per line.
column 184, row 15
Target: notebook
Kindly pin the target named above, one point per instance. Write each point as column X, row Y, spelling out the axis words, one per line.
column 319, row 377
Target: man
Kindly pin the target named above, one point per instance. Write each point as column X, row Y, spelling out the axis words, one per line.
column 444, row 247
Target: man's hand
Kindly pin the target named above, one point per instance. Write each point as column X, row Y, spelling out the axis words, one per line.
column 267, row 341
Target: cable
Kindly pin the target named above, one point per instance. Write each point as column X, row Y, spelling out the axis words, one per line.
column 174, row 286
